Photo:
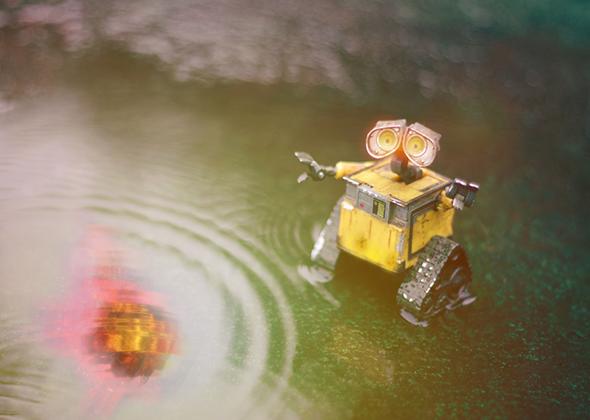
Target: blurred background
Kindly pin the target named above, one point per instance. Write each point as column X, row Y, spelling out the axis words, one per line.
column 171, row 125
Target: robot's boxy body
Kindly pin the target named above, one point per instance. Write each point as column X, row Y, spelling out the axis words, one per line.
column 399, row 223
column 388, row 223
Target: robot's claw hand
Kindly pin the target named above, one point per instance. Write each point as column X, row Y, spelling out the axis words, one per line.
column 316, row 172
column 303, row 177
column 305, row 158
column 462, row 193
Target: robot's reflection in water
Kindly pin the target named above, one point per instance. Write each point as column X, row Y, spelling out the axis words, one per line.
column 120, row 333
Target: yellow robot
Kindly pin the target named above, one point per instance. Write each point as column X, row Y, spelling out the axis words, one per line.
column 398, row 215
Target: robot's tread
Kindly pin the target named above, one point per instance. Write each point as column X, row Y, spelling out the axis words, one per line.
column 325, row 252
column 426, row 274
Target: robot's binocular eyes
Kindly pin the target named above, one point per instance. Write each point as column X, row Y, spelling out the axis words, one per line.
column 420, row 144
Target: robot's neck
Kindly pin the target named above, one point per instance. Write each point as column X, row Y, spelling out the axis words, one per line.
column 407, row 172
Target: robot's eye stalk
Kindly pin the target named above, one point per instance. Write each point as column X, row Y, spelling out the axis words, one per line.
column 419, row 144
column 385, row 138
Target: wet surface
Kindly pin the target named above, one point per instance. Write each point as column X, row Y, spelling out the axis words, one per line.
column 115, row 117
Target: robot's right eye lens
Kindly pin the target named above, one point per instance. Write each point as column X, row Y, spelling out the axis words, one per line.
column 416, row 146
column 388, row 140
column 421, row 144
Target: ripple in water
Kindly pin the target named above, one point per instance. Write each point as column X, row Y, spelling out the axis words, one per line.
column 223, row 286
column 23, row 376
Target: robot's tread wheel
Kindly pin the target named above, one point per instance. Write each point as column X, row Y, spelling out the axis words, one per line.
column 440, row 280
column 325, row 252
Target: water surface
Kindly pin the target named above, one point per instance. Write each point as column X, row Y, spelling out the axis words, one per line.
column 197, row 184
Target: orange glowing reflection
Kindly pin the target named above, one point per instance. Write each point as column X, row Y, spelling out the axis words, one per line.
column 119, row 332
column 140, row 337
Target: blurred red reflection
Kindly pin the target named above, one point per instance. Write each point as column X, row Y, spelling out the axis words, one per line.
column 121, row 333
column 140, row 337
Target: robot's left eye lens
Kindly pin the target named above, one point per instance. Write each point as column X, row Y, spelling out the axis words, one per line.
column 388, row 140
column 385, row 138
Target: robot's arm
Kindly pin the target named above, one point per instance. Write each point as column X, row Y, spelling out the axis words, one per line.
column 458, row 195
column 317, row 172
column 346, row 168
